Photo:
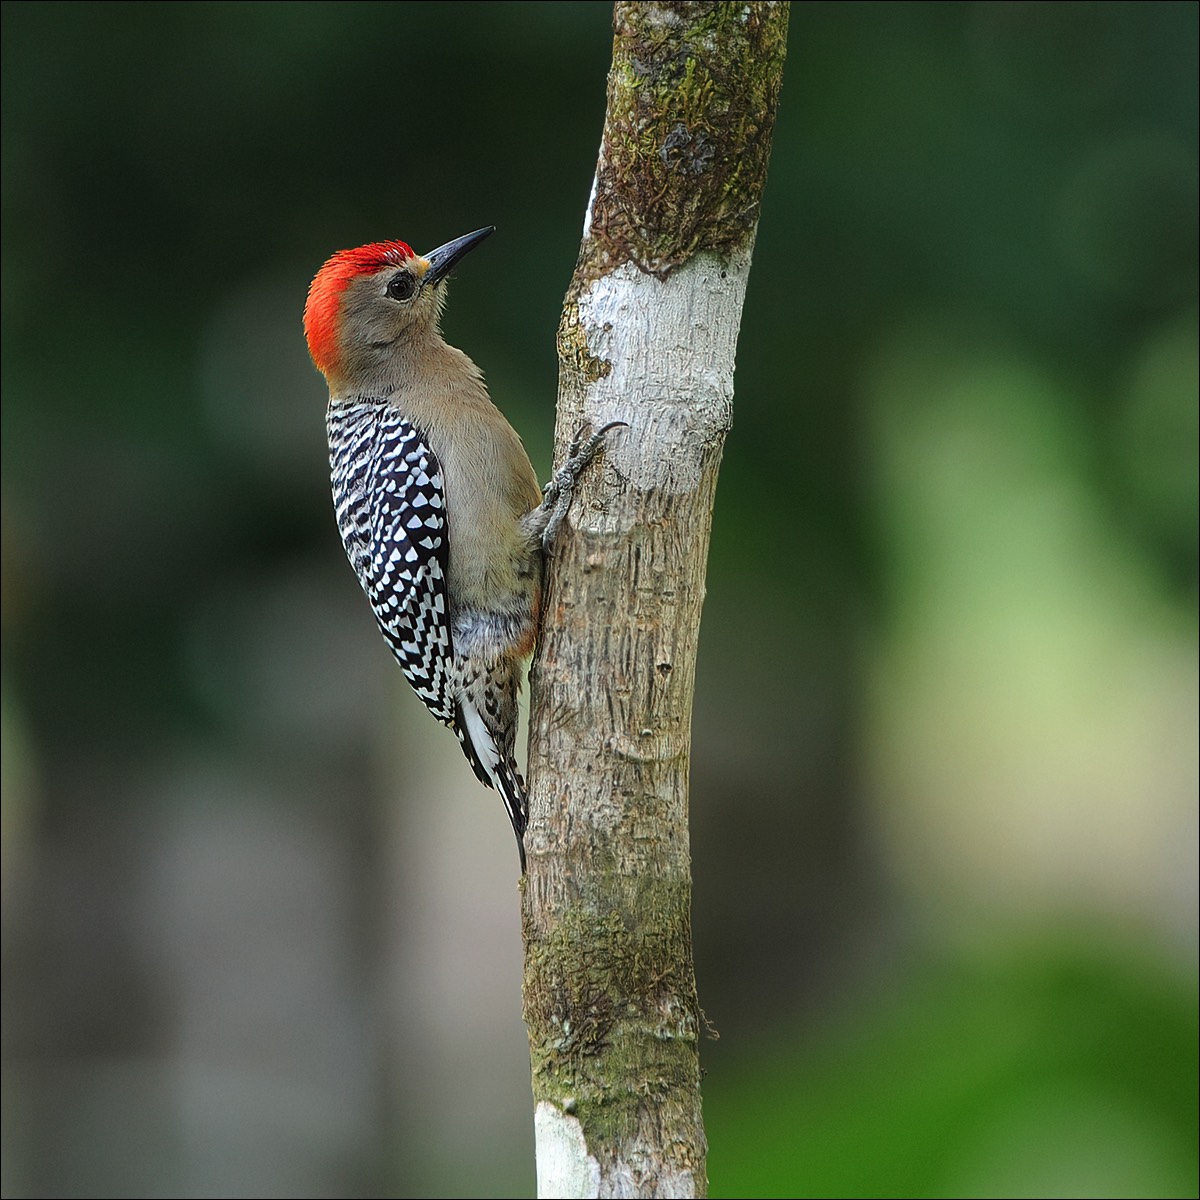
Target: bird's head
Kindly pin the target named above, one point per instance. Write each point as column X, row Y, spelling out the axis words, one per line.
column 366, row 304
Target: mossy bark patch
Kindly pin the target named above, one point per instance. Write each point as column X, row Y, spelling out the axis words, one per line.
column 692, row 97
column 598, row 968
column 610, row 998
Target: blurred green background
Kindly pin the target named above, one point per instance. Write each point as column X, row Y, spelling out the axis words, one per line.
column 260, row 924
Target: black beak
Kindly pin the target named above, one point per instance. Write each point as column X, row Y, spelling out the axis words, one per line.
column 444, row 257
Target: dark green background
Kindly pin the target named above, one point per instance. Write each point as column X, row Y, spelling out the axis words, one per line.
column 260, row 924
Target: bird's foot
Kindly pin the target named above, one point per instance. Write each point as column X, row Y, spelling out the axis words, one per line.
column 556, row 495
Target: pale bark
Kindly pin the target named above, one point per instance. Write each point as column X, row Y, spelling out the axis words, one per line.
column 648, row 337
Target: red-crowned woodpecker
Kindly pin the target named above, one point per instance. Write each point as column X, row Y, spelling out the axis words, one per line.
column 438, row 506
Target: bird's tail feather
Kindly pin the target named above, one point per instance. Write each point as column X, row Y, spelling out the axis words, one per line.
column 494, row 767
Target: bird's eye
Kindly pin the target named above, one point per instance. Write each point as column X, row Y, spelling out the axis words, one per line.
column 402, row 286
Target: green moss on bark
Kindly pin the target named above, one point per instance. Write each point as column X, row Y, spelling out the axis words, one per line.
column 692, row 97
column 610, row 997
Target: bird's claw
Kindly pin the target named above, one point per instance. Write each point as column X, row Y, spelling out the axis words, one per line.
column 556, row 495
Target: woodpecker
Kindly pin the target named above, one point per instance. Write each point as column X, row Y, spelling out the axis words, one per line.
column 437, row 504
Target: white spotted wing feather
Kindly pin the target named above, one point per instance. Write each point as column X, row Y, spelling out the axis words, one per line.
column 391, row 513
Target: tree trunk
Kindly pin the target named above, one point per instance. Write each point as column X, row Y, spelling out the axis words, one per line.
column 648, row 336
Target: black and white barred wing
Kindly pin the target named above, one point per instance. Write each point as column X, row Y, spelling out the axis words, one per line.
column 391, row 512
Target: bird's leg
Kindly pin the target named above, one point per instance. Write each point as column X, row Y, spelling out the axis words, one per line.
column 543, row 521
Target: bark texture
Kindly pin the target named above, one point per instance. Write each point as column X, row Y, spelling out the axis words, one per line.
column 648, row 336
